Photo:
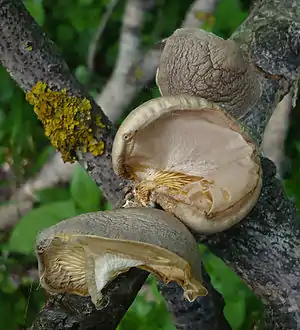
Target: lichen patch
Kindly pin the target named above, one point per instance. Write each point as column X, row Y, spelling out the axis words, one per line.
column 67, row 121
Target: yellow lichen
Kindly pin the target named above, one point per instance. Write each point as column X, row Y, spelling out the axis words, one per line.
column 98, row 121
column 28, row 46
column 67, row 121
column 205, row 17
column 138, row 73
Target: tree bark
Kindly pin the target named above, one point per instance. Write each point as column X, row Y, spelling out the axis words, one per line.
column 29, row 57
column 264, row 251
column 68, row 311
column 264, row 248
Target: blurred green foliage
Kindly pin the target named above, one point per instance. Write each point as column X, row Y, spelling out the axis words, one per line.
column 71, row 24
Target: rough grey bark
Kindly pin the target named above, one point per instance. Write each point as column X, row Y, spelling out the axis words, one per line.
column 270, row 39
column 29, row 56
column 264, row 251
column 203, row 314
column 266, row 245
column 68, row 311
column 264, row 248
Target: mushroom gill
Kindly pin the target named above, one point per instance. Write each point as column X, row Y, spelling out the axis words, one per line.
column 189, row 155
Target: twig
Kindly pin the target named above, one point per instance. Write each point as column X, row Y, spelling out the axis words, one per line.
column 200, row 12
column 275, row 133
column 135, row 73
column 129, row 50
column 53, row 172
column 93, row 45
column 11, row 213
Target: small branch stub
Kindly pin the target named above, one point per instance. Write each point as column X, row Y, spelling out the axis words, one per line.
column 192, row 158
column 81, row 255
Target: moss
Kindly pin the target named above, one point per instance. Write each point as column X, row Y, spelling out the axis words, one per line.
column 67, row 121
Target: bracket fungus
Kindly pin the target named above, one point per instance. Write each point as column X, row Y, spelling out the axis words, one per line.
column 199, row 63
column 81, row 255
column 192, row 158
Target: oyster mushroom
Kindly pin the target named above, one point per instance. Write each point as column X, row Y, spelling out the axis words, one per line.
column 81, row 255
column 192, row 158
column 199, row 63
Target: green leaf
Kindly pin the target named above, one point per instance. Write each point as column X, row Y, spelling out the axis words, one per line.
column 49, row 195
column 8, row 286
column 2, row 156
column 84, row 191
column 7, row 87
column 223, row 278
column 228, row 17
column 85, row 2
column 24, row 234
column 145, row 314
column 36, row 9
column 65, row 33
column 242, row 307
column 107, row 206
column 82, row 74
column 6, row 311
column 155, row 92
column 235, row 312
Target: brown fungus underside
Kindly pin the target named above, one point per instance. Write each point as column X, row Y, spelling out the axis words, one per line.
column 189, row 156
column 83, row 254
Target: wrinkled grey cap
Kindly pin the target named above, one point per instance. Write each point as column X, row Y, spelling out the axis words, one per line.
column 199, row 63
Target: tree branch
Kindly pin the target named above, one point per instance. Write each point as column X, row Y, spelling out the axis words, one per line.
column 263, row 249
column 206, row 313
column 129, row 52
column 68, row 311
column 273, row 144
column 22, row 201
column 93, row 46
column 138, row 71
column 29, row 56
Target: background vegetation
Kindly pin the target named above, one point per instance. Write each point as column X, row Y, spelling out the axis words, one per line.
column 24, row 148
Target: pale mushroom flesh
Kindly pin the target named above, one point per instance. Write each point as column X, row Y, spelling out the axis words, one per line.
column 83, row 254
column 194, row 162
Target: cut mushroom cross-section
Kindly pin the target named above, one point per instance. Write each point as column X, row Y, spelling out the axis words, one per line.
column 83, row 254
column 192, row 158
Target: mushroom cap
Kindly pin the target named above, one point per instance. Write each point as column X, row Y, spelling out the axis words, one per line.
column 196, row 62
column 188, row 155
column 81, row 255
